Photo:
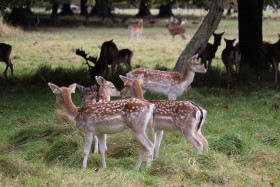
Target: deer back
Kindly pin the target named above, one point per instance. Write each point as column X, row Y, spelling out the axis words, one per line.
column 5, row 52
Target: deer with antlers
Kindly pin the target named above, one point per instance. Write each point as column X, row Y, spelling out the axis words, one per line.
column 136, row 29
column 184, row 116
column 179, row 30
column 5, row 52
column 172, row 84
column 108, row 118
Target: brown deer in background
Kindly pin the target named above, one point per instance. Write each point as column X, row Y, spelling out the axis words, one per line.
column 136, row 29
column 5, row 52
column 231, row 56
column 172, row 84
column 179, row 30
column 273, row 56
column 124, row 56
column 210, row 50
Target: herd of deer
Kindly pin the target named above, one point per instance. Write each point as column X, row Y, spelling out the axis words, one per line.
column 101, row 116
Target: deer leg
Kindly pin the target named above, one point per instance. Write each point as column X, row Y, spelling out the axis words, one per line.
column 171, row 97
column 102, row 145
column 87, row 146
column 203, row 140
column 113, row 69
column 275, row 67
column 209, row 64
column 190, row 136
column 95, row 144
column 12, row 68
column 159, row 135
column 145, row 145
column 6, row 69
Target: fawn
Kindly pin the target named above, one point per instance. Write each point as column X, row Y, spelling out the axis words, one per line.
column 108, row 118
column 184, row 116
column 179, row 30
column 136, row 29
column 172, row 84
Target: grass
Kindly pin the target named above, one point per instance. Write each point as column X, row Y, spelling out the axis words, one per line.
column 39, row 146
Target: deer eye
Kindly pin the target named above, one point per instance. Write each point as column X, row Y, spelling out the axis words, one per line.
column 112, row 87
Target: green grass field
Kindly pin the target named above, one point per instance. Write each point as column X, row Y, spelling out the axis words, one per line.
column 40, row 147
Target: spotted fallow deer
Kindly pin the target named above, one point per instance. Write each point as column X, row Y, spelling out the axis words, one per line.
column 172, row 84
column 136, row 29
column 179, row 30
column 231, row 56
column 108, row 118
column 106, row 90
column 184, row 116
column 5, row 52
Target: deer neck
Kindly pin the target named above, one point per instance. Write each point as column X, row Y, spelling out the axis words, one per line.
column 188, row 75
column 105, row 95
column 69, row 107
column 136, row 91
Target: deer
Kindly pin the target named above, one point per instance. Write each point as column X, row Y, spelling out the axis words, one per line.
column 183, row 116
column 124, row 56
column 231, row 55
column 108, row 118
column 136, row 29
column 106, row 90
column 171, row 84
column 179, row 30
column 210, row 50
column 273, row 56
column 5, row 52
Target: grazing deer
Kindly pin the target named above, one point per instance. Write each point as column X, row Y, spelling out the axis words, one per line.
column 176, row 31
column 5, row 52
column 172, row 84
column 231, row 55
column 273, row 56
column 124, row 56
column 210, row 50
column 106, row 90
column 184, row 116
column 108, row 118
column 136, row 29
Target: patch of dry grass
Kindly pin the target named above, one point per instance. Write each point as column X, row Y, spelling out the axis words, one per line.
column 8, row 29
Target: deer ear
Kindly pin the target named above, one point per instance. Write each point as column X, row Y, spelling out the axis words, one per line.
column 97, row 79
column 234, row 40
column 55, row 89
column 93, row 88
column 72, row 87
column 222, row 33
column 123, row 78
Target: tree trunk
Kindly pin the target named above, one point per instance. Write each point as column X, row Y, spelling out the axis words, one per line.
column 66, row 10
column 84, row 8
column 165, row 10
column 201, row 37
column 101, row 9
column 144, row 9
column 250, row 34
column 54, row 10
column 20, row 16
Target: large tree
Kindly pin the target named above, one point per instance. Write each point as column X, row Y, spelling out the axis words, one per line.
column 144, row 9
column 101, row 9
column 165, row 9
column 204, row 32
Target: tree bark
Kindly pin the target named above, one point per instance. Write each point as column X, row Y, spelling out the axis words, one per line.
column 84, row 8
column 201, row 37
column 66, row 10
column 144, row 9
column 165, row 10
column 20, row 16
column 54, row 10
column 101, row 9
column 250, row 34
